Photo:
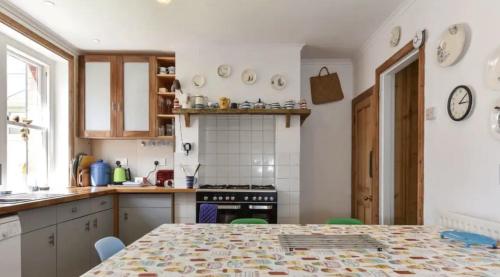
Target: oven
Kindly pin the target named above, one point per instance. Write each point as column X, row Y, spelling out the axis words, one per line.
column 233, row 204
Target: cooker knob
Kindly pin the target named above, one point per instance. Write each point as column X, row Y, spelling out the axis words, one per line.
column 271, row 198
column 260, row 198
column 232, row 198
column 227, row 198
column 254, row 198
column 265, row 198
column 220, row 198
column 246, row 198
column 215, row 198
column 205, row 198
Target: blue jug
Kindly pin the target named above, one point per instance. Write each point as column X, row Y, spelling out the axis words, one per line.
column 100, row 173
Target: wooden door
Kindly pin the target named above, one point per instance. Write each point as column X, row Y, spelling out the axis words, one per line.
column 406, row 146
column 73, row 240
column 136, row 97
column 38, row 250
column 97, row 96
column 362, row 155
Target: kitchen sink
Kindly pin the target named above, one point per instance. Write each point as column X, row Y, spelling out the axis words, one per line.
column 27, row 197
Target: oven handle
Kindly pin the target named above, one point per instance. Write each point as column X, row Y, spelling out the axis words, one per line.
column 260, row 207
column 228, row 207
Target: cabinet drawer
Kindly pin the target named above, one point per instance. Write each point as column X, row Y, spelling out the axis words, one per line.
column 72, row 210
column 35, row 219
column 101, row 203
column 146, row 201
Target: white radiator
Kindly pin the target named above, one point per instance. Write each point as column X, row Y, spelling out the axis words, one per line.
column 470, row 224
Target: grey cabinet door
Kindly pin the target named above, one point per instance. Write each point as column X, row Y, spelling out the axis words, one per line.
column 101, row 226
column 136, row 222
column 38, row 253
column 73, row 240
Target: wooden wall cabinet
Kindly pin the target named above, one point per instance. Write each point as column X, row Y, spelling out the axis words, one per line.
column 116, row 96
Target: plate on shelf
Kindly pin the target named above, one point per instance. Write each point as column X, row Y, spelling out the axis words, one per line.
column 493, row 71
column 248, row 76
column 451, row 46
column 278, row 82
column 224, row 70
column 198, row 81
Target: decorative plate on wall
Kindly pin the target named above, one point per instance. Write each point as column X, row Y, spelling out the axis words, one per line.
column 395, row 36
column 493, row 71
column 198, row 81
column 452, row 45
column 224, row 70
column 278, row 82
column 248, row 76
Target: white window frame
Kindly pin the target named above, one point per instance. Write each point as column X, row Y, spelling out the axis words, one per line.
column 9, row 45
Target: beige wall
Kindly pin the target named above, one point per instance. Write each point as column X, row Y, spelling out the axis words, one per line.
column 325, row 173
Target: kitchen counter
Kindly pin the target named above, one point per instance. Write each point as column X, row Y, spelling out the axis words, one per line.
column 254, row 250
column 77, row 193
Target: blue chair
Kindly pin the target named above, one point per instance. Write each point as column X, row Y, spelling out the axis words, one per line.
column 108, row 246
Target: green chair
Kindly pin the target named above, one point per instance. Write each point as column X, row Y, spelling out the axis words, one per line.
column 249, row 221
column 344, row 221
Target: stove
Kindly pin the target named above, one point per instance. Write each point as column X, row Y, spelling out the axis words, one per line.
column 239, row 201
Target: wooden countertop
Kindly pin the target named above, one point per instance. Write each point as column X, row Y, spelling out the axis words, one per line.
column 72, row 194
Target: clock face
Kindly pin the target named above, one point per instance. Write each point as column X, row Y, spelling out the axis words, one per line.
column 460, row 103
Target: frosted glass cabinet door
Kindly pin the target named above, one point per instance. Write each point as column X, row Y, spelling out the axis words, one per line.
column 136, row 97
column 98, row 94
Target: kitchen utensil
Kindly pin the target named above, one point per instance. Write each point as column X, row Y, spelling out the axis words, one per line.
column 224, row 103
column 100, row 173
column 196, row 170
column 191, row 181
column 120, row 174
column 162, row 176
column 163, row 70
column 171, row 70
column 84, row 178
column 162, row 90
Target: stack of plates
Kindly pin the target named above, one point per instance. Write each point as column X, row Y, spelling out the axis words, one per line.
column 199, row 106
column 245, row 105
column 275, row 105
column 290, row 104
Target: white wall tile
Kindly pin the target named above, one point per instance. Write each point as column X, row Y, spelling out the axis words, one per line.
column 257, row 171
column 268, row 159
column 245, row 136
column 282, row 171
column 282, row 158
column 245, row 159
column 283, row 210
column 294, row 172
column 268, row 171
column 256, row 159
column 295, row 158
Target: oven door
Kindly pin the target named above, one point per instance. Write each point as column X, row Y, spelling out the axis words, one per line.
column 228, row 212
column 263, row 211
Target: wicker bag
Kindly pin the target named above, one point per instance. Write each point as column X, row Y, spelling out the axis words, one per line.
column 325, row 88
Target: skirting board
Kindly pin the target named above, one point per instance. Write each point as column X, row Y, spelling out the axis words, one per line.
column 470, row 224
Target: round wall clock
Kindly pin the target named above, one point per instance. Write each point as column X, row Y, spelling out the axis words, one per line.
column 460, row 103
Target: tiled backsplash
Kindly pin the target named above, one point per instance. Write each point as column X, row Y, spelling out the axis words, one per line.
column 237, row 150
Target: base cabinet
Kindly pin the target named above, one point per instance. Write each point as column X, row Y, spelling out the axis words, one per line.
column 38, row 248
column 101, row 226
column 136, row 222
column 73, row 241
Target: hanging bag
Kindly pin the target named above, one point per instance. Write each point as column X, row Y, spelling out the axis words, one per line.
column 325, row 88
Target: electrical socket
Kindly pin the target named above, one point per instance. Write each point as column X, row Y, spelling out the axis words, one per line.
column 123, row 161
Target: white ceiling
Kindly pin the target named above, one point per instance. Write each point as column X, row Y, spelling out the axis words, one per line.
column 329, row 28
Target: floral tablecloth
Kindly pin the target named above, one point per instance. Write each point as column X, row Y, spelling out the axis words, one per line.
column 254, row 250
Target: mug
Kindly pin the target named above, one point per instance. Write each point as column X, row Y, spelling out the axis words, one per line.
column 190, row 181
column 171, row 69
column 224, row 102
column 163, row 70
column 162, row 90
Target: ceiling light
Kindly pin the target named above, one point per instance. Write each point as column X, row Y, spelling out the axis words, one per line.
column 164, row 1
column 96, row 40
column 49, row 3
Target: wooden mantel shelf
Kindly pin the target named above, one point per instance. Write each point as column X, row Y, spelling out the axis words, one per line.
column 303, row 113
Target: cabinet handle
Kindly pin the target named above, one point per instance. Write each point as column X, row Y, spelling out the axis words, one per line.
column 74, row 209
column 95, row 222
column 87, row 226
column 370, row 165
column 103, row 202
column 125, row 216
column 52, row 240
column 113, row 107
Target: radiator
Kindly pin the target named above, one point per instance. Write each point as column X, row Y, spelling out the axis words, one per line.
column 470, row 224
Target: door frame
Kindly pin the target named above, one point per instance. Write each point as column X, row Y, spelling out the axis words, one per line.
column 366, row 94
column 395, row 59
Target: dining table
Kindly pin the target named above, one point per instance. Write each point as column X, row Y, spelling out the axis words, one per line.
column 257, row 250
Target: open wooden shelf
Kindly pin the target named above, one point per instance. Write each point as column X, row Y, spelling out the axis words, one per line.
column 166, row 59
column 166, row 137
column 166, row 93
column 303, row 113
column 165, row 115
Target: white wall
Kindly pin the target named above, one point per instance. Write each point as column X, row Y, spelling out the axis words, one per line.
column 461, row 159
column 326, row 147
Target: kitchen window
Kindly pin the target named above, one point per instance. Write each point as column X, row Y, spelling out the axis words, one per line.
column 28, row 121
